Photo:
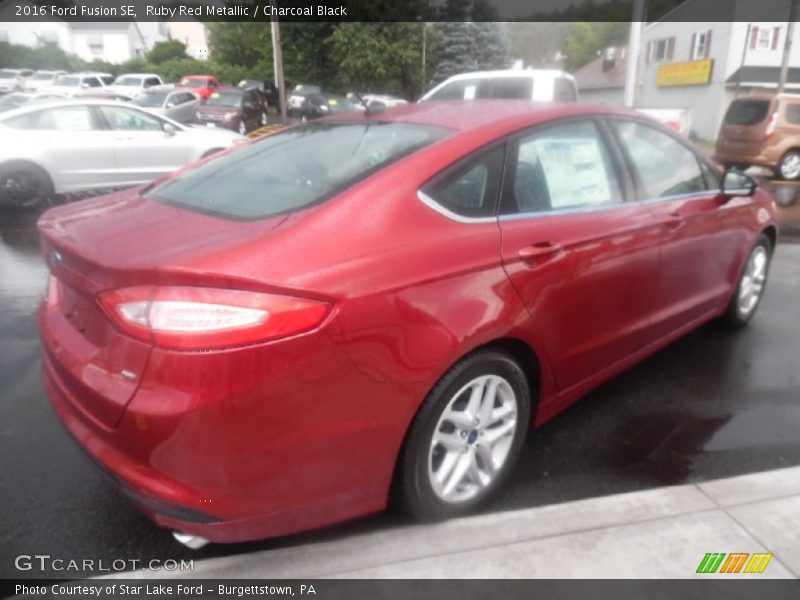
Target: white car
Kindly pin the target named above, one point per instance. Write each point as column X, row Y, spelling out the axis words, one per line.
column 170, row 102
column 72, row 85
column 73, row 145
column 41, row 80
column 131, row 84
column 13, row 80
column 539, row 85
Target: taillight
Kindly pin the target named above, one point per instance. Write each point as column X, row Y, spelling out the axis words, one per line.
column 771, row 125
column 195, row 318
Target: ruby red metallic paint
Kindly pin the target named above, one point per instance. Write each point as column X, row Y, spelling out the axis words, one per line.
column 296, row 433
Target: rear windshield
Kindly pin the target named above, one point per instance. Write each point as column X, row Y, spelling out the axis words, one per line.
column 225, row 99
column 151, row 99
column 506, row 88
column 293, row 169
column 747, row 112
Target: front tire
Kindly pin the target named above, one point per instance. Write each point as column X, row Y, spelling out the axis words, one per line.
column 264, row 119
column 24, row 187
column 789, row 166
column 242, row 129
column 465, row 438
column 750, row 289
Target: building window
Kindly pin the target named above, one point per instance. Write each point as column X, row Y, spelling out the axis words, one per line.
column 764, row 38
column 95, row 44
column 661, row 50
column 701, row 45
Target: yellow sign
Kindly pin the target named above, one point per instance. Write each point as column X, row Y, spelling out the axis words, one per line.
column 693, row 72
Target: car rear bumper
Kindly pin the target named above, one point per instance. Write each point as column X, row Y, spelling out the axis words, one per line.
column 246, row 444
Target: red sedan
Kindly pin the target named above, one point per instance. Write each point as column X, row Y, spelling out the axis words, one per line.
column 285, row 335
column 202, row 85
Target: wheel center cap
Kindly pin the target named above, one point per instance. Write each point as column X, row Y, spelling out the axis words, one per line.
column 473, row 435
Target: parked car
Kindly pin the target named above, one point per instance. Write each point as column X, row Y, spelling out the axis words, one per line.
column 232, row 108
column 298, row 96
column 177, row 104
column 41, row 80
column 201, row 85
column 677, row 119
column 267, row 89
column 543, row 85
column 322, row 105
column 17, row 99
column 132, row 83
column 357, row 308
column 762, row 130
column 13, row 80
column 71, row 145
column 76, row 84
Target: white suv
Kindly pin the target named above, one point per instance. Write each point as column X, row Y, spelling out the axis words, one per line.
column 132, row 84
column 541, row 85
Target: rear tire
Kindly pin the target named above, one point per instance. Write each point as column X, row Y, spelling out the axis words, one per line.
column 242, row 129
column 24, row 187
column 789, row 166
column 465, row 439
column 750, row 288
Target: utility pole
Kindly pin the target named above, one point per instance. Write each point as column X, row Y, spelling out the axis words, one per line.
column 744, row 58
column 634, row 52
column 787, row 47
column 424, row 57
column 277, row 62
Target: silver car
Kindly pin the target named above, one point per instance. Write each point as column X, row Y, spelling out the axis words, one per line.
column 12, row 80
column 41, row 80
column 166, row 100
column 73, row 145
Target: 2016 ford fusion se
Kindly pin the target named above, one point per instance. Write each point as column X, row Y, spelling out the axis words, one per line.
column 369, row 306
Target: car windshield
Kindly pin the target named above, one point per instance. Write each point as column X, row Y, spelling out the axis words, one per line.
column 132, row 81
column 747, row 112
column 339, row 105
column 42, row 77
column 225, row 99
column 194, row 83
column 151, row 99
column 67, row 81
column 293, row 169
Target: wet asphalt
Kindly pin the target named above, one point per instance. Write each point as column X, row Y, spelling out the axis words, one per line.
column 716, row 403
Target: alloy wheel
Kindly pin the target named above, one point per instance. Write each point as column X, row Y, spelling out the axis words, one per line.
column 790, row 166
column 752, row 284
column 242, row 127
column 473, row 438
column 22, row 190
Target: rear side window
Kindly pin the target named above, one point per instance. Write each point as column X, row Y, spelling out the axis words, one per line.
column 664, row 165
column 293, row 169
column 508, row 88
column 561, row 167
column 747, row 112
column 470, row 187
column 793, row 114
column 65, row 118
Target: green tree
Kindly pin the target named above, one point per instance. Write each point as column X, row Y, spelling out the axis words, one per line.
column 378, row 57
column 467, row 46
column 164, row 51
column 240, row 43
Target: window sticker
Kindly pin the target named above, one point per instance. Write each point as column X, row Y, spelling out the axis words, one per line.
column 574, row 171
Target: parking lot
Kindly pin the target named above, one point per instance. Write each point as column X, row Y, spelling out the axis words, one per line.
column 716, row 403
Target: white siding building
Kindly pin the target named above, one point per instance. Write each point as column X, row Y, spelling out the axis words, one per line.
column 701, row 64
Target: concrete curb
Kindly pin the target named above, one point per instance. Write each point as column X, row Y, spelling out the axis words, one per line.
column 659, row 533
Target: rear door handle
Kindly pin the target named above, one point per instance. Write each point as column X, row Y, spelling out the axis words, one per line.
column 539, row 249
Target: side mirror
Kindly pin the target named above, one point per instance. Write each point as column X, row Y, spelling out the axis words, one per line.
column 170, row 129
column 737, row 184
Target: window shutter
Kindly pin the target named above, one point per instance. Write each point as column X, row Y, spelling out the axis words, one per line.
column 691, row 48
column 708, row 44
column 754, row 38
column 776, row 33
column 670, row 48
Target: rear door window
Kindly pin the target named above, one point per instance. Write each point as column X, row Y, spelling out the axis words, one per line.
column 561, row 167
column 465, row 89
column 747, row 112
column 293, row 169
column 564, row 90
column 792, row 114
column 508, row 88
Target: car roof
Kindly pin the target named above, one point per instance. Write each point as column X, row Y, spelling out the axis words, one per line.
column 503, row 115
column 137, row 75
column 83, row 101
column 206, row 77
column 521, row 73
column 162, row 88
